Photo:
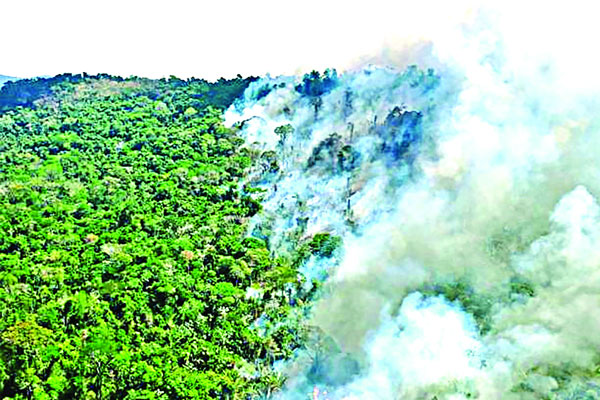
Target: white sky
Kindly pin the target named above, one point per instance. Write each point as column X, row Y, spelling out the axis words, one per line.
column 206, row 39
column 214, row 38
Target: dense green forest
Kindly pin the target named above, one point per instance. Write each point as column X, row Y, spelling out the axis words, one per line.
column 125, row 268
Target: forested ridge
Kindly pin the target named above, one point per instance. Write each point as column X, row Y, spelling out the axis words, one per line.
column 125, row 267
column 4, row 79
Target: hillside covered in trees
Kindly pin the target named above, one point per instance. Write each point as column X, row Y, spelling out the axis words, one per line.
column 4, row 79
column 125, row 268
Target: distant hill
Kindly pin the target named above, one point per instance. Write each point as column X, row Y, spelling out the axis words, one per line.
column 220, row 94
column 4, row 79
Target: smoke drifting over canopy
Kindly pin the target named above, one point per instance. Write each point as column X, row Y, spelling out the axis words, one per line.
column 466, row 199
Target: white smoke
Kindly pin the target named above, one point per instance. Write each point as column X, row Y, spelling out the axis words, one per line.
column 430, row 341
column 498, row 194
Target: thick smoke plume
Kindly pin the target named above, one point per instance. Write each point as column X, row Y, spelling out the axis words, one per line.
column 466, row 200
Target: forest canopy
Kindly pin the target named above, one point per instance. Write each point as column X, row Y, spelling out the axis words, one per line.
column 124, row 263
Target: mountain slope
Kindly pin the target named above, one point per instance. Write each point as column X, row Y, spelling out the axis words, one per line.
column 124, row 266
column 4, row 79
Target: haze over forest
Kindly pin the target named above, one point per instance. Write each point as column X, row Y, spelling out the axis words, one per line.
column 4, row 79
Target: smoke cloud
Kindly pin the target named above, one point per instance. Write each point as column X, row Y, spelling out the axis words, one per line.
column 466, row 199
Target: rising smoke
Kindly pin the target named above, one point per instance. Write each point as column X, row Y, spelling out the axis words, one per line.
column 466, row 198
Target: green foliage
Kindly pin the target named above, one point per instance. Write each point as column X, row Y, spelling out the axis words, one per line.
column 123, row 261
column 324, row 244
column 521, row 287
column 474, row 303
column 284, row 132
column 315, row 84
column 194, row 93
column 321, row 245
